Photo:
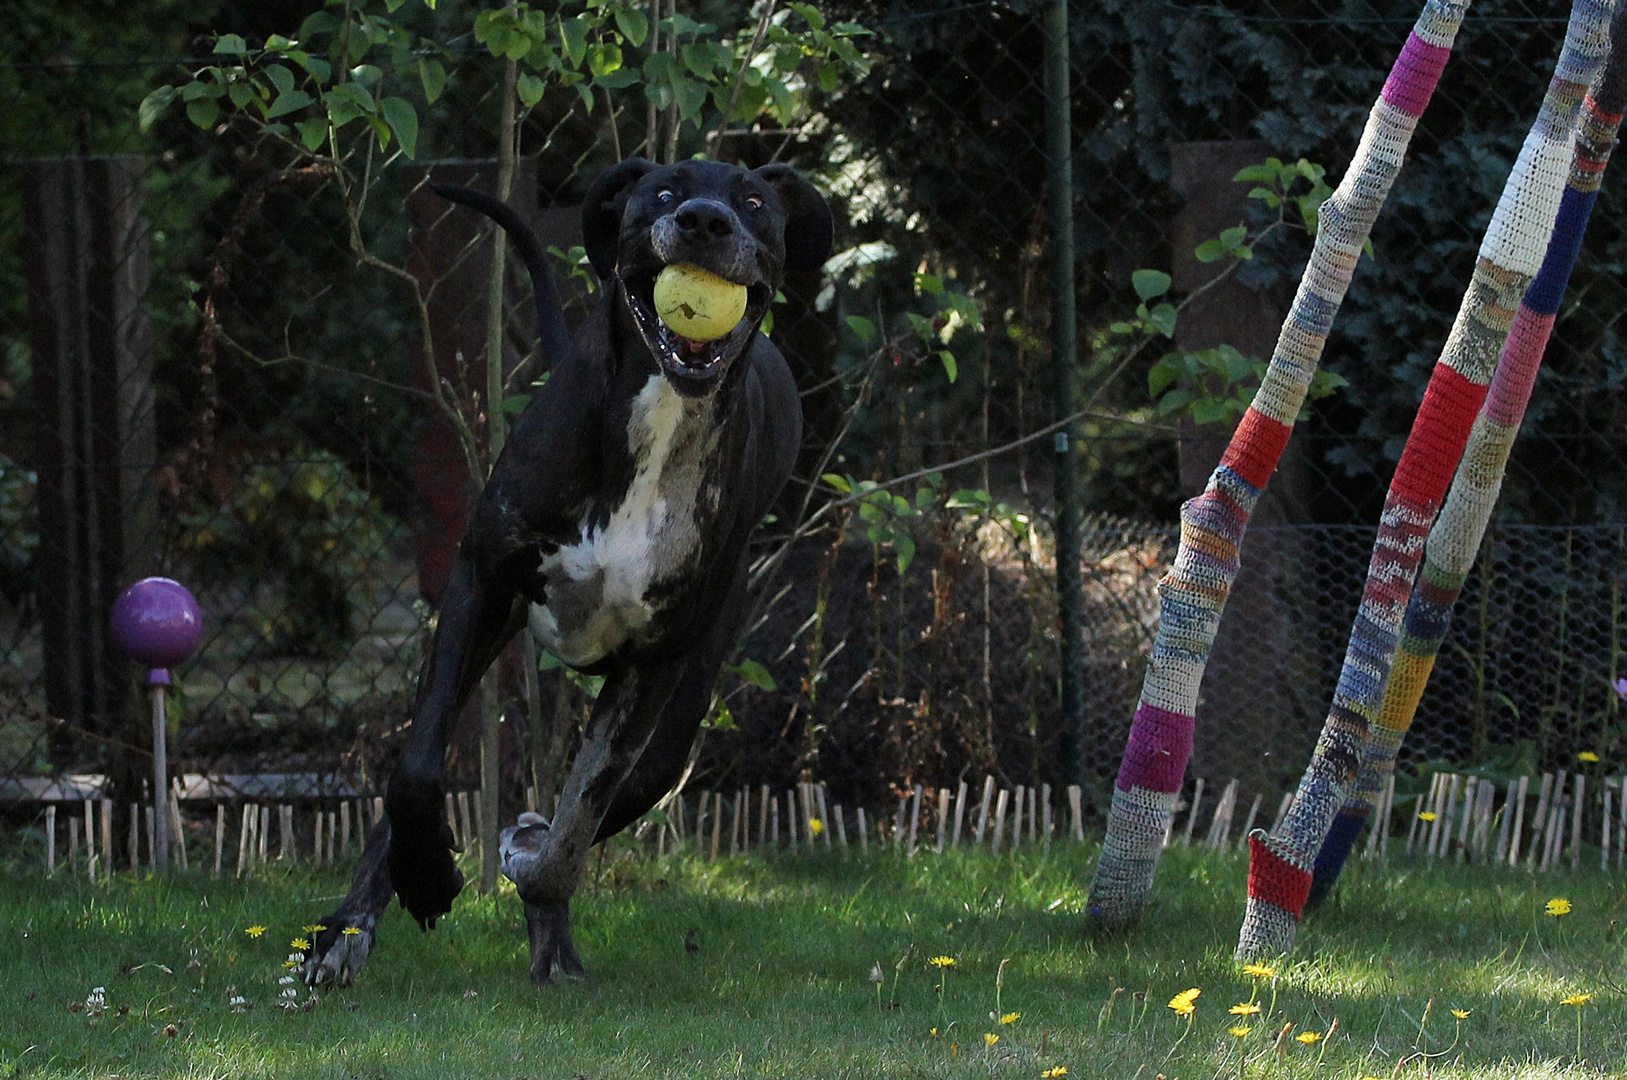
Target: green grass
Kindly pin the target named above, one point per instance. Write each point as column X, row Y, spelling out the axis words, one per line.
column 780, row 986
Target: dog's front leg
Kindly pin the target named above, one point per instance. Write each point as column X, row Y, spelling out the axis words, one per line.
column 547, row 861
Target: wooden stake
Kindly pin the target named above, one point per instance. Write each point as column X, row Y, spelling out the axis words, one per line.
column 981, row 835
column 764, row 801
column 90, row 838
column 220, row 835
column 898, row 821
column 1192, row 812
column 864, row 833
column 717, row 823
column 1604, row 830
column 243, row 842
column 1621, row 833
column 471, row 838
column 734, row 823
column 1282, row 808
column 1539, row 823
column 1384, row 819
column 73, row 843
column 50, row 839
column 841, row 824
column 264, row 835
column 1505, row 829
column 774, row 819
column 1076, row 811
column 135, row 837
column 1000, row 818
column 824, row 810
column 1248, row 822
column 1579, row 805
column 960, row 813
column 1516, row 837
column 107, row 836
column 344, row 828
column 943, row 819
column 1460, row 848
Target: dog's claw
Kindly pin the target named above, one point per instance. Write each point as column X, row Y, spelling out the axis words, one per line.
column 339, row 950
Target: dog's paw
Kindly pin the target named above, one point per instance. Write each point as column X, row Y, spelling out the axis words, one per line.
column 339, row 950
column 553, row 953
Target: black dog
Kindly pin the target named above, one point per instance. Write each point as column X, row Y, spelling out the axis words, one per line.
column 617, row 518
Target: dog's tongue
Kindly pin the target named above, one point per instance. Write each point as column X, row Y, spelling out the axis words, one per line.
column 691, row 350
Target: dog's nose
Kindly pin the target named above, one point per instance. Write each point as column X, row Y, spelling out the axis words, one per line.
column 702, row 219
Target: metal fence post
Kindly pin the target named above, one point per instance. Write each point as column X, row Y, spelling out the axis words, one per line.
column 1065, row 391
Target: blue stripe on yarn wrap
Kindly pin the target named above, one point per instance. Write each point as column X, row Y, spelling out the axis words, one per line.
column 1341, row 840
column 1545, row 293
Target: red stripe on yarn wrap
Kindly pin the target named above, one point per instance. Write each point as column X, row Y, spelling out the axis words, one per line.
column 1156, row 755
column 1256, row 447
column 1600, row 115
column 1438, row 437
column 1274, row 880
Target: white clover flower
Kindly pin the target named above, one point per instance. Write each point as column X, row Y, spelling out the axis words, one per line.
column 96, row 1002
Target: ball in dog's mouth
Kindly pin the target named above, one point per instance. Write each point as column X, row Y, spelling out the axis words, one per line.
column 697, row 362
column 698, row 305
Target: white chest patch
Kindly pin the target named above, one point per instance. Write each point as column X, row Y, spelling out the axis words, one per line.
column 599, row 589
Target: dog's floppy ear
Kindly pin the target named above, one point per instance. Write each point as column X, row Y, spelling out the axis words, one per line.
column 808, row 226
column 601, row 212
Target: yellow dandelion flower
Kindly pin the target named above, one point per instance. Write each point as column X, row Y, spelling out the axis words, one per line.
column 290, row 963
column 1309, row 1037
column 933, row 1033
column 351, row 931
column 942, row 961
column 1427, row 815
column 1587, row 756
column 1244, row 1008
column 989, row 1039
column 1558, row 906
column 300, row 943
column 1239, row 1031
column 1052, row 1074
column 1577, row 1000
column 816, row 826
column 1259, row 971
column 314, row 928
column 1461, row 1014
column 1011, row 1018
column 255, row 931
column 1185, row 1003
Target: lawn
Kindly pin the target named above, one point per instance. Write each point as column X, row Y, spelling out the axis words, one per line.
column 780, row 982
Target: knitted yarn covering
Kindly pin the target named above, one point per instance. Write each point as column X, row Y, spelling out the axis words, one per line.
column 1455, row 538
column 1193, row 594
column 1511, row 253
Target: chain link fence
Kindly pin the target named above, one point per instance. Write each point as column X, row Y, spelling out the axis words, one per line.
column 274, row 445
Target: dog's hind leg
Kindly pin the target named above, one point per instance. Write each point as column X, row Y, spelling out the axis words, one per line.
column 546, row 861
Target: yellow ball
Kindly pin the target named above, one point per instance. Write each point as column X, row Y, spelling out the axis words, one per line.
column 697, row 303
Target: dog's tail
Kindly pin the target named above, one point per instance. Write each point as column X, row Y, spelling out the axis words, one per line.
column 551, row 332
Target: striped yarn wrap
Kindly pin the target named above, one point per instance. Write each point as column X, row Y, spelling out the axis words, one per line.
column 1511, row 253
column 1194, row 592
column 1456, row 536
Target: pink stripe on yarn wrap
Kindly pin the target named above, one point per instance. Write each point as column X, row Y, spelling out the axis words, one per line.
column 1412, row 80
column 1155, row 758
column 1516, row 374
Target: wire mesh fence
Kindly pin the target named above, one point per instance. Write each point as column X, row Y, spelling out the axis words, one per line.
column 276, row 443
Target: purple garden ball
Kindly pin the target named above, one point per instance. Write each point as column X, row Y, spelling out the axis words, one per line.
column 157, row 622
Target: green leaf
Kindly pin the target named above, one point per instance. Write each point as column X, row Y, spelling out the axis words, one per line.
column 904, row 544
column 757, row 675
column 604, row 58
column 530, row 89
column 231, row 45
column 931, row 284
column 1242, row 251
column 313, row 132
column 839, row 482
column 1150, row 284
column 810, row 15
column 1174, row 400
column 1209, row 251
column 1162, row 318
column 634, row 25
column 624, row 76
column 1272, row 199
column 950, row 368
column 1255, row 174
column 320, row 69
column 1161, row 375
column 862, row 328
column 153, row 105
column 318, row 22
column 433, row 75
column 288, row 102
column 691, row 94
column 1230, row 238
column 203, row 111
column 573, row 32
column 241, row 94
column 515, row 404
column 403, row 120
column 280, row 77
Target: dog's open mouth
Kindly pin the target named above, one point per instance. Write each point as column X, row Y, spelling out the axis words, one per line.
column 686, row 361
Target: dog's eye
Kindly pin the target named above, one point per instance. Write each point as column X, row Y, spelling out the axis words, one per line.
column 754, row 202
column 665, row 195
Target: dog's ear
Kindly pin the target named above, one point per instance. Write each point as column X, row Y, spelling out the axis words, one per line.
column 808, row 226
column 601, row 212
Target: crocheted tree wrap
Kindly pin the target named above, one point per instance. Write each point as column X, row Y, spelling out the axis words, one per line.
column 1456, row 536
column 1510, row 256
column 1193, row 594
column 1277, row 890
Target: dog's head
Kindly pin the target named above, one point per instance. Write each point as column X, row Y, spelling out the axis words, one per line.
column 749, row 227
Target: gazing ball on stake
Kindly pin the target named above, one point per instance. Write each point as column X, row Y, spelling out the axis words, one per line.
column 156, row 622
column 698, row 304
